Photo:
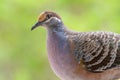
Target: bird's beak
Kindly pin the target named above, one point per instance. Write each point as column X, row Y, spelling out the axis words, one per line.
column 36, row 25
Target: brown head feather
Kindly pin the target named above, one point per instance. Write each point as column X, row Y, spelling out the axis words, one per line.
column 47, row 15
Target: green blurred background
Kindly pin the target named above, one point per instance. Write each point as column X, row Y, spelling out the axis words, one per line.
column 23, row 54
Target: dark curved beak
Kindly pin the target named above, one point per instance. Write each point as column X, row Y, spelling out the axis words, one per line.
column 36, row 25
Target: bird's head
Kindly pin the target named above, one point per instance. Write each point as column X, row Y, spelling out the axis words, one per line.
column 47, row 19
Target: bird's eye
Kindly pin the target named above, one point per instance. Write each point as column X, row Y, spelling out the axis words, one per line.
column 48, row 16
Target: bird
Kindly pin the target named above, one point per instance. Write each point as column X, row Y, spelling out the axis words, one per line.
column 74, row 55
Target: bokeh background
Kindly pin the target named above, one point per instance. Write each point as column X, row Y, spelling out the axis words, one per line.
column 23, row 54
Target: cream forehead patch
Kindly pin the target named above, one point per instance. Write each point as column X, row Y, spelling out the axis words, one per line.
column 42, row 17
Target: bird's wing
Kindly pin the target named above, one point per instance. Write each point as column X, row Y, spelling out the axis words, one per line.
column 98, row 51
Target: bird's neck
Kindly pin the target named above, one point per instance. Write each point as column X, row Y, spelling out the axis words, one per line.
column 57, row 29
column 56, row 39
column 58, row 33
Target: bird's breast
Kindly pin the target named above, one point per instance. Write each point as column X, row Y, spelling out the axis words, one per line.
column 59, row 54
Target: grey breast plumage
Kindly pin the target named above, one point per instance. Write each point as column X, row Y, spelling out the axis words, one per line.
column 99, row 51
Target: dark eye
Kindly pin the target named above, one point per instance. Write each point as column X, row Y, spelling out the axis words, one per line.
column 48, row 16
